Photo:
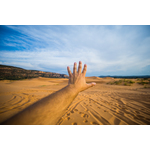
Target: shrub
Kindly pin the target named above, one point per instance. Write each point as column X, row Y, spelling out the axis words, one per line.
column 130, row 81
column 142, row 82
column 125, row 84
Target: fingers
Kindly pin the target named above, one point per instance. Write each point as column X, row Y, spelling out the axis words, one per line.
column 69, row 71
column 75, row 68
column 84, row 69
column 80, row 67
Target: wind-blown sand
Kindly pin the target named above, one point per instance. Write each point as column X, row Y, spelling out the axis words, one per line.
column 102, row 104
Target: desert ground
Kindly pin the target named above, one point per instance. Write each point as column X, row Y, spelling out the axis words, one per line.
column 110, row 102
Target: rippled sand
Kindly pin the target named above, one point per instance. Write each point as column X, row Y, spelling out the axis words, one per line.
column 103, row 104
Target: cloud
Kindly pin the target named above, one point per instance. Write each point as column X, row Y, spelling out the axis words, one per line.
column 105, row 49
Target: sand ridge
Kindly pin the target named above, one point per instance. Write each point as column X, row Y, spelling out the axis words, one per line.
column 103, row 104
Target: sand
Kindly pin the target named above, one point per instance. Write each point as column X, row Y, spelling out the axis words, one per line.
column 103, row 104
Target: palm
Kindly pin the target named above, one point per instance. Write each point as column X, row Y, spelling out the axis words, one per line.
column 77, row 78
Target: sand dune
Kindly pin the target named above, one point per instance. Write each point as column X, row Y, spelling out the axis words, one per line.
column 108, row 78
column 103, row 104
column 93, row 77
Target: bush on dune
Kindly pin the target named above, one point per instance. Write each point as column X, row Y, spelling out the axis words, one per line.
column 144, row 81
column 122, row 82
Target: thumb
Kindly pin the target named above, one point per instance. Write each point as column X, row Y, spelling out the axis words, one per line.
column 91, row 84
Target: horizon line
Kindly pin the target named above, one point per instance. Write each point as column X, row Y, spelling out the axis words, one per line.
column 87, row 76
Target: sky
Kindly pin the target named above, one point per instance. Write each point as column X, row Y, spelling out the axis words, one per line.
column 107, row 50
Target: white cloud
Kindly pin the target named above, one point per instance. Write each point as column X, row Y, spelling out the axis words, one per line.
column 104, row 49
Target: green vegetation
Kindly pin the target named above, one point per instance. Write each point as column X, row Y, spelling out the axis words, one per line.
column 130, row 81
column 122, row 82
column 143, row 81
column 127, row 82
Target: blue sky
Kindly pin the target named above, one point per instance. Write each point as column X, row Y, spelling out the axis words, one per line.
column 107, row 50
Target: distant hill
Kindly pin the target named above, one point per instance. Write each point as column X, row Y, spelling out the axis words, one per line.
column 16, row 73
column 129, row 77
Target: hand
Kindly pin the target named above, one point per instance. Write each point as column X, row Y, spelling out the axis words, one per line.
column 77, row 79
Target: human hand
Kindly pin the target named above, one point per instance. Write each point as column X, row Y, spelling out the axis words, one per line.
column 77, row 79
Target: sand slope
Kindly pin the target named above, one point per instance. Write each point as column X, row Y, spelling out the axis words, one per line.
column 103, row 104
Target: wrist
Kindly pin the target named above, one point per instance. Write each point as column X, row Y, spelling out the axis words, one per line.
column 72, row 89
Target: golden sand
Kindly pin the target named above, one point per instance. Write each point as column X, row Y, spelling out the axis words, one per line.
column 103, row 104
